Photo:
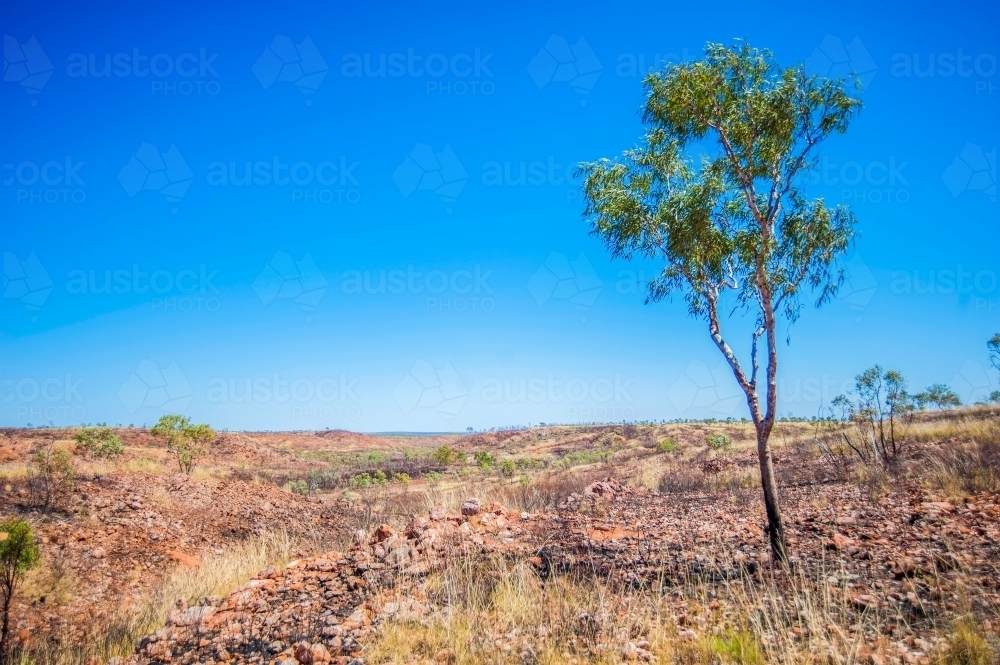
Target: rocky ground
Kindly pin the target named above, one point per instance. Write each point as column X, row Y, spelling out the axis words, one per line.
column 902, row 562
column 879, row 570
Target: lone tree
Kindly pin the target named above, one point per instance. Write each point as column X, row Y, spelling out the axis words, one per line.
column 185, row 440
column 993, row 344
column 939, row 396
column 734, row 223
column 18, row 553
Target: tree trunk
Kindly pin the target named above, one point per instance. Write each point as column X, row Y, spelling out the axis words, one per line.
column 4, row 629
column 775, row 529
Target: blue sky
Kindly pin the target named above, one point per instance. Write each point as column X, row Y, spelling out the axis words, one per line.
column 406, row 250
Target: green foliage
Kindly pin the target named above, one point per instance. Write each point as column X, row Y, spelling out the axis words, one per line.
column 18, row 553
column 485, row 460
column 581, row 457
column 361, row 480
column 736, row 221
column 878, row 411
column 53, row 476
column 401, row 478
column 737, row 646
column 508, row 467
column 718, row 441
column 433, row 477
column 445, row 455
column 994, row 397
column 668, row 445
column 185, row 440
column 299, row 486
column 938, row 395
column 100, row 442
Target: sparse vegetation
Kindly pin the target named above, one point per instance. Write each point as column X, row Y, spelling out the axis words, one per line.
column 100, row 442
column 719, row 441
column 52, row 476
column 18, row 554
column 185, row 440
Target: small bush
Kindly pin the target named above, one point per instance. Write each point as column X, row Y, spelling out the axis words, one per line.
column 668, row 445
column 485, row 460
column 52, row 476
column 100, row 442
column 401, row 478
column 298, row 487
column 445, row 455
column 968, row 646
column 718, row 441
column 508, row 467
column 434, row 477
column 18, row 553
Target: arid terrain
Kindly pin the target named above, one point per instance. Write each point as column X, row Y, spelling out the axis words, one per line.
column 555, row 544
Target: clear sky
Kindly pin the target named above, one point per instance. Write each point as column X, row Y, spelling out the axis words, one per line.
column 361, row 216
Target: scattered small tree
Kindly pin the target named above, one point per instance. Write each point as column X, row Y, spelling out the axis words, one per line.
column 939, row 396
column 18, row 553
column 52, row 476
column 186, row 441
column 485, row 460
column 718, row 441
column 508, row 467
column 877, row 413
column 100, row 442
column 667, row 445
column 445, row 455
column 735, row 223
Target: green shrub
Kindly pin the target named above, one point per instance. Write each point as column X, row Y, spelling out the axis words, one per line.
column 433, row 477
column 718, row 441
column 18, row 553
column 298, row 487
column 52, row 476
column 100, row 442
column 380, row 478
column 184, row 439
column 361, row 480
column 668, row 445
column 485, row 460
column 508, row 467
column 445, row 455
column 401, row 478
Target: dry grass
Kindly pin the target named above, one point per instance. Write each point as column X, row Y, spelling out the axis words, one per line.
column 501, row 611
column 119, row 630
